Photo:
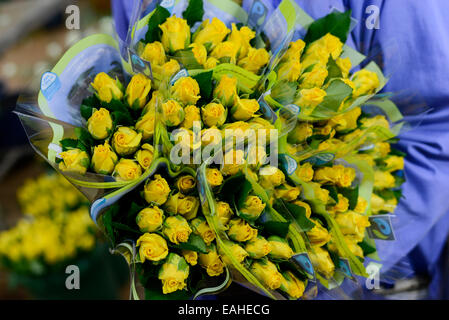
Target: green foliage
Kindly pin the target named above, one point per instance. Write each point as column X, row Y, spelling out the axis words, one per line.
column 335, row 23
column 154, row 32
column 194, row 12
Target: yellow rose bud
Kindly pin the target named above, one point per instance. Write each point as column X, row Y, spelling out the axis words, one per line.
column 239, row 230
column 211, row 32
column 107, row 88
column 190, row 256
column 292, row 285
column 253, row 207
column 383, row 180
column 186, row 90
column 156, row 190
column 345, row 65
column 381, row 149
column 341, row 206
column 226, row 49
column 126, row 141
column 257, row 247
column 300, row 133
column 186, row 183
column 377, row 203
column 74, row 160
column 145, row 124
column 154, row 53
column 309, row 98
column 173, row 273
column 378, row 121
column 361, row 205
column 214, row 114
column 199, row 52
column 100, row 124
column 201, row 228
column 127, row 170
column 172, row 113
column 290, row 70
column 287, row 192
column 271, row 177
column 318, row 235
column 244, row 109
column 214, row 177
column 104, row 159
column 237, row 252
column 152, row 247
column 394, row 163
column 267, row 272
column 333, row 44
column 224, row 212
column 176, row 229
column 170, row 68
column 305, row 172
column 314, row 78
column 351, row 243
column 279, row 248
column 137, row 91
column 226, row 90
column 150, row 219
column 366, row 82
column 320, row 193
column 255, row 60
column 338, row 175
column 241, row 38
column 347, row 120
column 235, row 164
column 294, row 50
column 211, row 262
column 175, row 34
column 305, row 205
column 191, row 114
column 145, row 156
column 322, row 261
column 211, row 63
column 187, row 206
column 353, row 224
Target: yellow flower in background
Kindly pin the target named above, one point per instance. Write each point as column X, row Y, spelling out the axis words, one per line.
column 104, row 159
column 173, row 273
column 152, row 247
column 381, row 149
column 300, row 133
column 315, row 57
column 318, row 235
column 291, row 285
column 394, row 163
column 305, row 205
column 126, row 141
column 239, row 230
column 361, row 205
column 314, row 78
column 170, row 68
column 190, row 256
column 378, row 120
column 322, row 261
column 186, row 90
column 186, row 183
column 214, row 114
column 320, row 193
column 156, row 190
column 176, row 229
column 175, row 34
column 271, row 177
column 145, row 124
column 252, row 207
column 267, row 272
column 255, row 60
column 244, row 109
column 211, row 63
column 199, row 52
column 287, row 192
column 241, row 38
column 352, row 245
column 100, row 124
column 236, row 163
column 366, row 82
column 352, row 223
column 226, row 49
column 187, row 206
column 237, row 252
column 337, row 174
column 308, row 99
column 74, row 160
column 333, row 45
column 127, row 170
column 224, row 212
column 290, row 70
column 377, row 203
column 383, row 180
column 345, row 65
column 305, row 172
column 145, row 156
column 294, row 50
column 154, row 53
column 172, row 113
column 107, row 88
column 150, row 219
column 137, row 91
column 279, row 248
column 347, row 120
column 212, row 32
column 214, row 177
column 191, row 114
column 257, row 247
column 341, row 206
column 211, row 262
column 201, row 228
column 226, row 90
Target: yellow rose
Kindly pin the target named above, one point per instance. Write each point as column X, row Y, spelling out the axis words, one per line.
column 320, row 193
column 199, row 52
column 267, row 272
column 150, row 219
column 145, row 124
column 316, row 56
column 244, row 109
column 351, row 243
column 224, row 212
column 345, row 65
column 381, row 149
column 74, row 160
column 294, row 50
column 100, row 124
column 377, row 121
column 191, row 114
column 239, row 230
column 361, row 205
column 127, row 170
column 287, row 192
column 237, row 252
column 186, row 183
column 211, row 136
column 292, row 285
column 241, row 38
column 156, row 190
column 309, row 98
column 211, row 262
column 352, row 223
column 338, row 175
column 226, row 49
column 211, row 32
column 253, row 207
column 187, row 206
column 126, row 141
column 377, row 203
column 279, row 248
column 233, row 162
column 271, row 177
column 190, row 256
column 226, row 90
column 137, row 91
column 214, row 177
column 333, row 45
column 170, row 68
column 257, row 247
column 322, row 261
column 145, row 156
column 300, row 133
column 175, row 34
column 186, row 90
column 366, row 82
column 394, row 163
column 347, row 120
column 201, row 228
column 173, row 273
column 214, row 114
column 318, row 235
column 107, row 88
column 211, row 63
column 314, row 78
column 104, row 159
column 305, row 205
column 154, row 53
column 290, row 70
column 176, row 229
column 152, row 247
column 341, row 206
column 383, row 180
column 172, row 113
column 305, row 172
column 255, row 60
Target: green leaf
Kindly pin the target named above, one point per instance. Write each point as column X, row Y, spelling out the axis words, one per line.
column 298, row 213
column 195, row 243
column 84, row 137
column 333, row 193
column 124, row 227
column 187, row 59
column 154, row 32
column 271, row 225
column 333, row 69
column 194, row 12
column 68, row 144
column 367, row 247
column 243, row 193
column 122, row 118
column 86, row 111
column 335, row 23
column 335, row 94
column 107, row 222
column 352, row 194
column 204, row 80
column 284, row 92
column 396, row 152
column 91, row 101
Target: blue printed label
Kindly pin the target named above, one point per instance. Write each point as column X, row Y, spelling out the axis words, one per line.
column 288, row 163
column 267, row 112
column 181, row 74
column 257, row 14
column 168, row 4
column 381, row 227
column 303, row 261
column 345, row 268
column 50, row 84
column 321, row 158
